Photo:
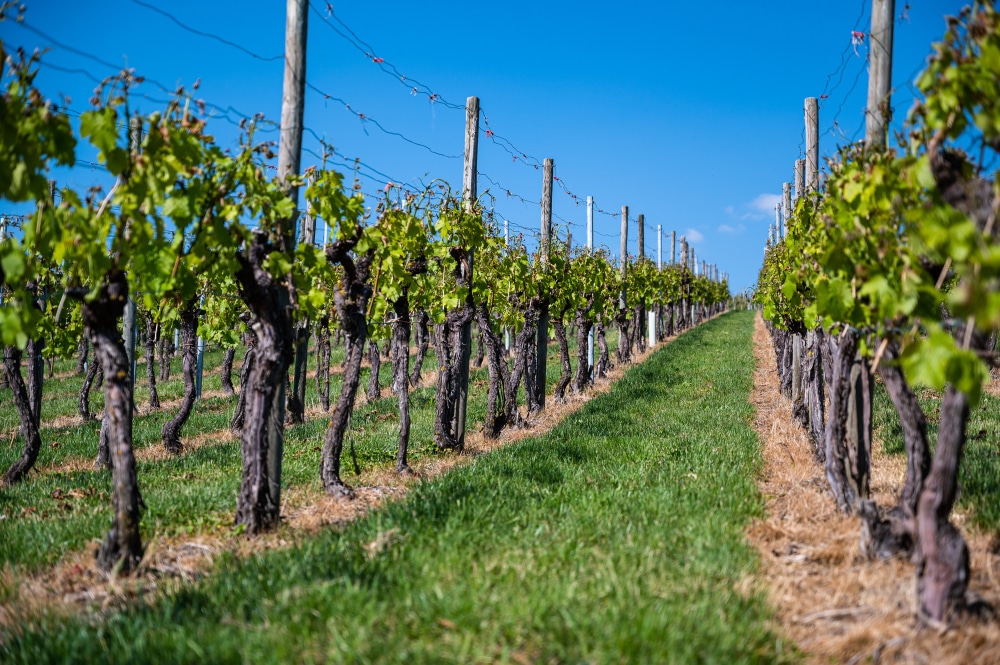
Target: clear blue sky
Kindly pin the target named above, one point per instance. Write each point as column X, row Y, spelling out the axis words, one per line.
column 690, row 113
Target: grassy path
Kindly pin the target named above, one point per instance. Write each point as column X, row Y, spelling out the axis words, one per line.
column 617, row 537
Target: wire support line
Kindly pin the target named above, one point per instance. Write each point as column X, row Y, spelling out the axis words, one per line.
column 225, row 111
column 365, row 118
column 415, row 86
column 827, row 91
column 104, row 63
column 207, row 35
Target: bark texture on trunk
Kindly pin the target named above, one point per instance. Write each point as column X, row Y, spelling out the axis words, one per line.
column 859, row 426
column 603, row 363
column 82, row 352
column 152, row 335
column 477, row 360
column 323, row 362
column 583, row 327
column 83, row 402
column 524, row 346
column 624, row 349
column 171, row 431
column 567, row 370
column 239, row 415
column 943, row 568
column 227, row 371
column 166, row 352
column 263, row 427
column 499, row 374
column 800, row 409
column 351, row 301
column 296, row 411
column 838, row 463
column 29, row 423
column 639, row 328
column 448, row 338
column 914, row 424
column 401, row 375
column 122, row 547
column 815, row 393
column 422, row 340
column 374, row 390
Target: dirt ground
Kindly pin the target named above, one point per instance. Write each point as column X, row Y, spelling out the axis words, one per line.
column 836, row 606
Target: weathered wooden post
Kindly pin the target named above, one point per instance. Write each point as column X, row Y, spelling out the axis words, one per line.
column 469, row 195
column 542, row 347
column 879, row 72
column 590, row 248
column 812, row 144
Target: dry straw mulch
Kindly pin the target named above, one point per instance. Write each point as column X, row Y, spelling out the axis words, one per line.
column 74, row 585
column 836, row 606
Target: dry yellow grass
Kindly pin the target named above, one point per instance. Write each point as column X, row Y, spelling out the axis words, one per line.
column 837, row 607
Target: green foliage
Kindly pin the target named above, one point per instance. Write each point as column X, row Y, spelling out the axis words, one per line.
column 881, row 251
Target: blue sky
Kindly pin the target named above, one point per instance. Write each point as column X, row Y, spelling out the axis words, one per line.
column 689, row 113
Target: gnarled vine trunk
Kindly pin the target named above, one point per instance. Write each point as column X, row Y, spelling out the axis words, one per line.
column 499, row 374
column 122, row 547
column 323, row 361
column 943, row 563
column 449, row 352
column 171, row 431
column 166, row 352
column 422, row 340
column 374, row 391
column 401, row 375
column 815, row 395
column 82, row 352
column 567, row 370
column 258, row 505
column 583, row 327
column 624, row 349
column 227, row 371
column 524, row 346
column 152, row 335
column 351, row 301
column 29, row 423
column 846, row 461
column 239, row 415
column 603, row 363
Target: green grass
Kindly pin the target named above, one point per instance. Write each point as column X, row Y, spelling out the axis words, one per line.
column 979, row 473
column 617, row 537
column 56, row 512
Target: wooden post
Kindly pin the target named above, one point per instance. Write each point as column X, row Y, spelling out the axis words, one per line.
column 624, row 256
column 684, row 291
column 786, row 195
column 289, row 163
column 542, row 340
column 800, row 179
column 673, row 247
column 812, row 144
column 590, row 248
column 879, row 72
column 641, row 238
column 506, row 243
column 778, row 221
column 470, row 193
